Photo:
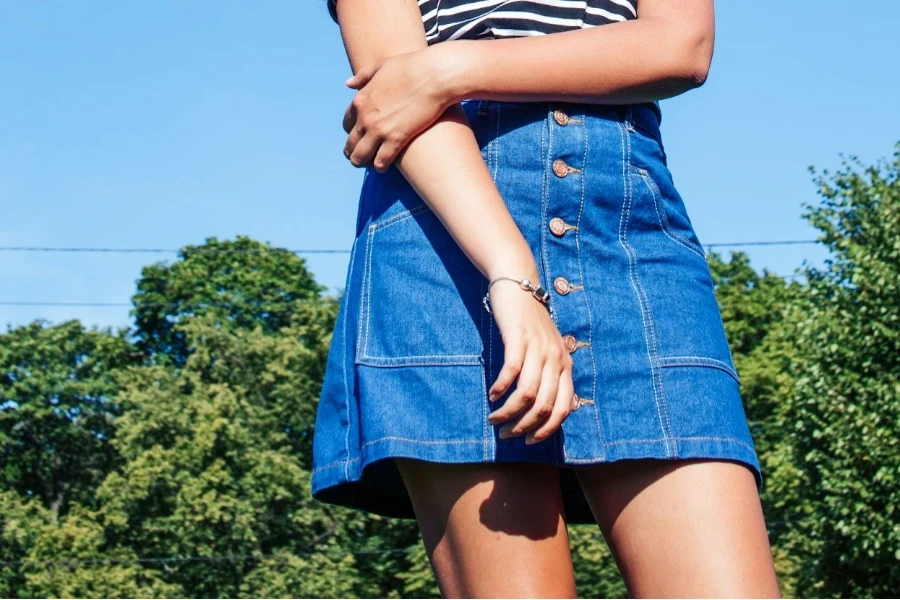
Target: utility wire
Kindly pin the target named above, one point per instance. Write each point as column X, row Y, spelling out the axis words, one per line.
column 177, row 559
column 243, row 557
column 163, row 304
column 761, row 243
column 200, row 250
column 188, row 306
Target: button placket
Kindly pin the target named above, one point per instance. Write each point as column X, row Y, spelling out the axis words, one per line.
column 565, row 198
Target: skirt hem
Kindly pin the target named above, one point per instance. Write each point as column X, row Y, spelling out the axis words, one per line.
column 371, row 483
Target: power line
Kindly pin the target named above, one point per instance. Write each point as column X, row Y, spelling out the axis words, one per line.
column 761, row 243
column 162, row 304
column 200, row 250
column 243, row 557
column 168, row 250
column 188, row 306
column 178, row 559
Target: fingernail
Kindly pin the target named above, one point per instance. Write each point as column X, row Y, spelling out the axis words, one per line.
column 529, row 440
column 504, row 434
column 492, row 396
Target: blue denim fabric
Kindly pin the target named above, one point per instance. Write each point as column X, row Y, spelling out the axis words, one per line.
column 414, row 351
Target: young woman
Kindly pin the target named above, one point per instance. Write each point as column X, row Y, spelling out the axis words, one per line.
column 528, row 335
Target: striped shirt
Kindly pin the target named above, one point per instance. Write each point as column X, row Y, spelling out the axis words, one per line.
column 446, row 20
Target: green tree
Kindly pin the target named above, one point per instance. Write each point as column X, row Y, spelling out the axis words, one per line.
column 216, row 456
column 49, row 557
column 217, row 437
column 843, row 410
column 57, row 410
column 242, row 283
column 754, row 310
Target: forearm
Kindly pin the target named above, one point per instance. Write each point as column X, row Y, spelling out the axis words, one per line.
column 443, row 163
column 660, row 54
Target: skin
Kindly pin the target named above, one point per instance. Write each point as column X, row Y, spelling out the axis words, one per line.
column 444, row 165
column 677, row 527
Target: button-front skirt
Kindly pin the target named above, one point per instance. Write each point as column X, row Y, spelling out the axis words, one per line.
column 414, row 351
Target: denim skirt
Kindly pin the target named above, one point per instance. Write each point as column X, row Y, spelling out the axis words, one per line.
column 414, row 351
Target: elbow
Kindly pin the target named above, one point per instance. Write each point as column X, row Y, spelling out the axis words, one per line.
column 693, row 57
column 696, row 74
column 697, row 68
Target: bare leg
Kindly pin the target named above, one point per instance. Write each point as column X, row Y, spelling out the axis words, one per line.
column 683, row 528
column 492, row 530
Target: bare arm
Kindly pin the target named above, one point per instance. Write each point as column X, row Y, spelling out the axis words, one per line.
column 666, row 51
column 444, row 165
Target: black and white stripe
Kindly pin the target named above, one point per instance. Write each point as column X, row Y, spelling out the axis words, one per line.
column 446, row 20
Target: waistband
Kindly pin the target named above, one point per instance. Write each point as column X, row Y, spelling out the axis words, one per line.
column 646, row 114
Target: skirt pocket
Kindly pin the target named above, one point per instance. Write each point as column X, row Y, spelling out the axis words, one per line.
column 670, row 212
column 421, row 295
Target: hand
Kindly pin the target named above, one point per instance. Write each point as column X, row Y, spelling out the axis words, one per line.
column 536, row 354
column 397, row 99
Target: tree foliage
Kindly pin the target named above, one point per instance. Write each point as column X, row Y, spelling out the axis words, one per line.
column 240, row 283
column 57, row 410
column 174, row 459
column 843, row 411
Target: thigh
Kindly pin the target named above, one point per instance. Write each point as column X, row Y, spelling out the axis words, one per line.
column 683, row 528
column 492, row 530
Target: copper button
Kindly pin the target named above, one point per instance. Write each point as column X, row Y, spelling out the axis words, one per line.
column 562, row 285
column 570, row 342
column 561, row 117
column 557, row 226
column 576, row 402
column 560, row 168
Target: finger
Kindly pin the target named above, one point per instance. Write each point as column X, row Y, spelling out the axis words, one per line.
column 361, row 77
column 540, row 409
column 387, row 153
column 561, row 409
column 349, row 117
column 527, row 386
column 352, row 140
column 514, row 356
column 364, row 152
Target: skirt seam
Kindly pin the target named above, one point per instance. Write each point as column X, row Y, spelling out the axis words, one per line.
column 333, row 465
column 366, row 283
column 697, row 361
column 409, row 213
column 421, row 360
column 421, row 442
column 587, row 302
column 344, row 364
column 624, row 219
column 663, row 219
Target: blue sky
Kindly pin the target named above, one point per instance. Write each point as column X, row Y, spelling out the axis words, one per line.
column 157, row 124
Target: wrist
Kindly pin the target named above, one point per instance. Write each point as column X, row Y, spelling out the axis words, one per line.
column 456, row 62
column 515, row 267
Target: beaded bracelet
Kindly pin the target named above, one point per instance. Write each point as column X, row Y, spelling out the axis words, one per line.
column 542, row 295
